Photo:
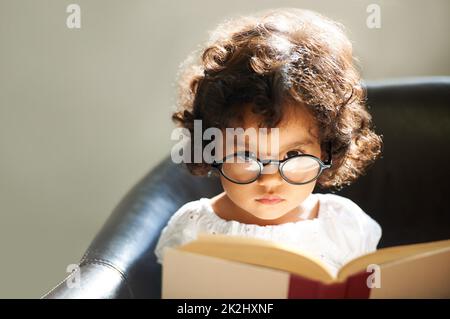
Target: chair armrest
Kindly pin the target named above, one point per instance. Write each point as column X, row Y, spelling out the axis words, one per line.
column 97, row 280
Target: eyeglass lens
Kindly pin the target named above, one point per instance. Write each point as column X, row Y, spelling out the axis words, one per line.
column 244, row 169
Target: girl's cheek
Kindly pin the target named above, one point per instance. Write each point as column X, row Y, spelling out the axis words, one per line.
column 231, row 189
column 239, row 191
column 297, row 192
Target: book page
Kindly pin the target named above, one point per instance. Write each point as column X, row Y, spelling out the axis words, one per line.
column 389, row 254
column 189, row 275
column 260, row 252
column 426, row 275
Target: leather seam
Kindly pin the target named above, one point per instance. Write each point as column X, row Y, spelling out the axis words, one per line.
column 103, row 262
column 57, row 285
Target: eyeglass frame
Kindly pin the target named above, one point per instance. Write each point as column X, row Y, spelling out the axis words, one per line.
column 280, row 163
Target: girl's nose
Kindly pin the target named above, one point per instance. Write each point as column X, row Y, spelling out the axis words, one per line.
column 270, row 176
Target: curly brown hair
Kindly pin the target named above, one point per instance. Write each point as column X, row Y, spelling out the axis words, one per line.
column 270, row 58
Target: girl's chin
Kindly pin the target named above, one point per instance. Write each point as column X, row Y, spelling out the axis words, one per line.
column 268, row 214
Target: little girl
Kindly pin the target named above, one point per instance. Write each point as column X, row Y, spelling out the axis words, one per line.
column 293, row 70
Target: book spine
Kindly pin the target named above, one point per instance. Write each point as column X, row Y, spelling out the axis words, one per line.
column 357, row 287
column 303, row 288
column 332, row 291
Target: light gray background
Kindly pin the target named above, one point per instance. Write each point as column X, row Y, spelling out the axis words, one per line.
column 85, row 113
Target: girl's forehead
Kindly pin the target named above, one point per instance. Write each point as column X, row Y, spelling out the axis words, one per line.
column 295, row 120
column 296, row 128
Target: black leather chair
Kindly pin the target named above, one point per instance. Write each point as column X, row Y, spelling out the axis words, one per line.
column 405, row 191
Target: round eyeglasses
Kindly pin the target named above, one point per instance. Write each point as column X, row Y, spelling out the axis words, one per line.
column 245, row 168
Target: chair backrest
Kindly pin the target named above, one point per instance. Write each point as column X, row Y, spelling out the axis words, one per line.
column 404, row 191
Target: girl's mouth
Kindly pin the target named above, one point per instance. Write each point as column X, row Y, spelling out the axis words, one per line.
column 269, row 200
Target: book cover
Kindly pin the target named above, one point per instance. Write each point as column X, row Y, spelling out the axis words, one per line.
column 220, row 266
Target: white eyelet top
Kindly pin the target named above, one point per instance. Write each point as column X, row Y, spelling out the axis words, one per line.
column 341, row 232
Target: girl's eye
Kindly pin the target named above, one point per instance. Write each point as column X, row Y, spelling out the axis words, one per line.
column 293, row 153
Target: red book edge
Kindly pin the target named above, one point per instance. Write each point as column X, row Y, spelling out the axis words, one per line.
column 355, row 287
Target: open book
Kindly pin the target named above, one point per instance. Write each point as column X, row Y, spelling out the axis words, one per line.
column 223, row 266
